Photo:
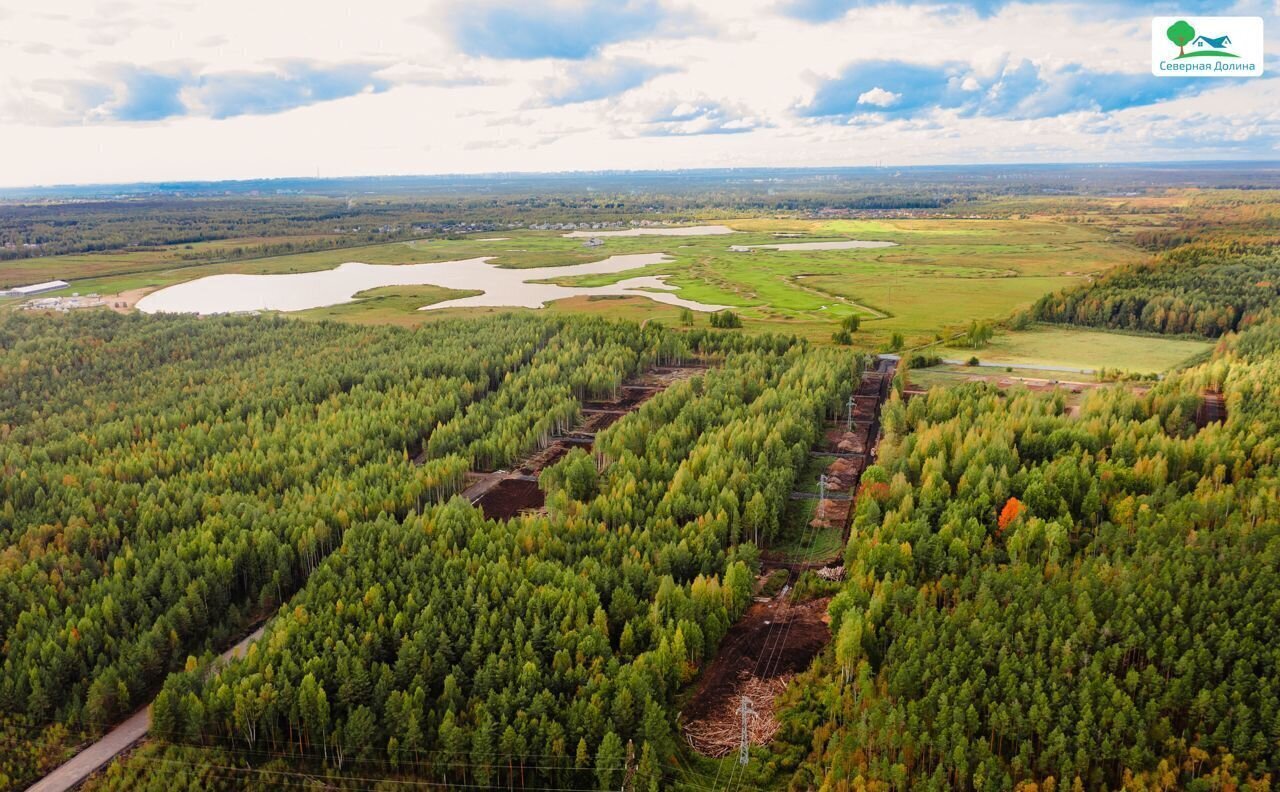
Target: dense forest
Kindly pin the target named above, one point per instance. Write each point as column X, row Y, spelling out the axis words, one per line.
column 530, row 653
column 194, row 473
column 165, row 480
column 1036, row 599
column 1203, row 290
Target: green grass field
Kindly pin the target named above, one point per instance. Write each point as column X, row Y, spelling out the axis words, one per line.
column 822, row 546
column 798, row 541
column 396, row 305
column 1050, row 345
column 941, row 273
column 920, row 302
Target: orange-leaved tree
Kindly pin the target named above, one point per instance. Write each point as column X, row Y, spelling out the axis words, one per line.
column 1012, row 508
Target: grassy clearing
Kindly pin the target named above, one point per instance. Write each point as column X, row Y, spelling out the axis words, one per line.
column 820, row 547
column 1048, row 345
column 798, row 541
column 398, row 305
column 1021, row 372
column 920, row 302
column 948, row 376
column 807, row 480
column 1074, row 388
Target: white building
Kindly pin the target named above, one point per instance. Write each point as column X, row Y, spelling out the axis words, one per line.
column 35, row 288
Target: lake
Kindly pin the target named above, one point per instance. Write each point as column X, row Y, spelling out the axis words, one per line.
column 503, row 288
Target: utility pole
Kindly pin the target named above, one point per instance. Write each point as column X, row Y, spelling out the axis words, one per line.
column 747, row 712
column 629, row 768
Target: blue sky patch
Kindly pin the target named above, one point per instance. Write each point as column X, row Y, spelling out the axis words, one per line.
column 898, row 89
column 149, row 96
column 140, row 95
column 602, row 80
column 508, row 29
column 231, row 94
column 828, row 10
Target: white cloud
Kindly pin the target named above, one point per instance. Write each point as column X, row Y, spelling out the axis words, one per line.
column 646, row 97
column 879, row 97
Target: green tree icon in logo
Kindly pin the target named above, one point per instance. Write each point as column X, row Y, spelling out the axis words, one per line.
column 1181, row 33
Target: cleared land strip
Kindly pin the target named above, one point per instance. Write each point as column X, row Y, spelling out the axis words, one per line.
column 778, row 637
column 74, row 771
column 503, row 494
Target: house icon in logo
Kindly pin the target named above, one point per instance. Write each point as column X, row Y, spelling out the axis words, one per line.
column 1222, row 42
column 1181, row 34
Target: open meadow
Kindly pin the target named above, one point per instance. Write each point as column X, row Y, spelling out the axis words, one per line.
column 1084, row 349
column 935, row 276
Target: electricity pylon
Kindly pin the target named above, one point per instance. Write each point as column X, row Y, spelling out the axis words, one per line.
column 747, row 712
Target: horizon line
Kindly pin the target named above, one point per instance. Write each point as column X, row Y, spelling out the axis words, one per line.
column 1101, row 164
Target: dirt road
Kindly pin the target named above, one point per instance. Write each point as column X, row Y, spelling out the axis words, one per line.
column 73, row 772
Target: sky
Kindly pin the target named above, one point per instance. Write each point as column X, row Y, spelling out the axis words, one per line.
column 100, row 92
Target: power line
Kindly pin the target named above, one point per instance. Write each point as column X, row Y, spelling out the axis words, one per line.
column 496, row 759
column 772, row 665
column 312, row 754
column 775, row 653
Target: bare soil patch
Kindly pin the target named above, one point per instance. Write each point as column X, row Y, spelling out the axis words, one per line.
column 832, row 514
column 842, row 440
column 510, row 497
column 771, row 643
column 629, row 398
column 125, row 301
column 843, row 474
column 545, row 458
column 503, row 494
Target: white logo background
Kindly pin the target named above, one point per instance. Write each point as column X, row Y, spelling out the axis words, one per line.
column 1246, row 42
